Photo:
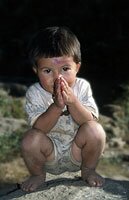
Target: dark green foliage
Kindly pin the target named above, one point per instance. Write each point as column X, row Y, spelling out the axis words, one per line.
column 10, row 146
column 10, row 142
column 11, row 107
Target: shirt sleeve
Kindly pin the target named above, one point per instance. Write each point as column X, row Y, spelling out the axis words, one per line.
column 34, row 106
column 87, row 98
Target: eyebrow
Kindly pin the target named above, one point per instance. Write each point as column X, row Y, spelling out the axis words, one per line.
column 51, row 67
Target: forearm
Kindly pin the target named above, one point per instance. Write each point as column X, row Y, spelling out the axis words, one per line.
column 48, row 119
column 79, row 113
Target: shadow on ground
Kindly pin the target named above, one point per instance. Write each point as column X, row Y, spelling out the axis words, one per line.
column 70, row 188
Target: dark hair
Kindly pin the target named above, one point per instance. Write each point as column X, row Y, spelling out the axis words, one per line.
column 54, row 42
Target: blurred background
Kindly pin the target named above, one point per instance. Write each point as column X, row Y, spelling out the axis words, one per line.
column 102, row 26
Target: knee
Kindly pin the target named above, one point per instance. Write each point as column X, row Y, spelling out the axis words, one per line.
column 31, row 139
column 91, row 132
column 96, row 132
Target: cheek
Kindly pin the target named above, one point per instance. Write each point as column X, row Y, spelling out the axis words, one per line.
column 47, row 84
column 70, row 80
column 44, row 81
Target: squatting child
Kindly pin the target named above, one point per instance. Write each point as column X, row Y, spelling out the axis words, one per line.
column 65, row 134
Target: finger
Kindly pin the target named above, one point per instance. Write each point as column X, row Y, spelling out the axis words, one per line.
column 56, row 84
column 64, row 81
column 64, row 86
column 57, row 96
column 57, row 88
column 65, row 96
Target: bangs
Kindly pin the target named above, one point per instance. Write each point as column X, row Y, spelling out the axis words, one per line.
column 54, row 42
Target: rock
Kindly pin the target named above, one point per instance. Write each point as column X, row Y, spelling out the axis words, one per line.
column 10, row 125
column 117, row 142
column 73, row 188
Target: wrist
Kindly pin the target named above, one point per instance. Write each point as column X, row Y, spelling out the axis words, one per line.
column 57, row 108
column 73, row 102
column 61, row 111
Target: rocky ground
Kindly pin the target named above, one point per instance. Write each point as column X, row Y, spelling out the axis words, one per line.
column 70, row 186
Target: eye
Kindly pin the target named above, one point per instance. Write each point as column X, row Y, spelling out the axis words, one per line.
column 66, row 68
column 47, row 71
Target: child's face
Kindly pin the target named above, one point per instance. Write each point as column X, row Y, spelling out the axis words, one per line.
column 49, row 69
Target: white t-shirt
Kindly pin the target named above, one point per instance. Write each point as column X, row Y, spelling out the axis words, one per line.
column 38, row 100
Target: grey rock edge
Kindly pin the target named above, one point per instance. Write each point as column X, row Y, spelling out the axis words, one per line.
column 72, row 188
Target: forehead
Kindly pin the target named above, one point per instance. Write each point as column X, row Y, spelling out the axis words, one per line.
column 58, row 60
column 55, row 61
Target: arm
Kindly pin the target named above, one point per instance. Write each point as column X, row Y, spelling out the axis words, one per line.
column 48, row 119
column 80, row 113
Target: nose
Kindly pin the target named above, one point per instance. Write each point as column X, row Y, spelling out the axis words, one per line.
column 56, row 75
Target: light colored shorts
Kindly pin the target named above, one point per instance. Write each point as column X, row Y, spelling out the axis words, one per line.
column 63, row 161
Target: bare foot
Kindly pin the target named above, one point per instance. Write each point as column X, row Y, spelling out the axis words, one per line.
column 32, row 183
column 91, row 177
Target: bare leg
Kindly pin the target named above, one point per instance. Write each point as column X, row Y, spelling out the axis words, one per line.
column 91, row 140
column 37, row 148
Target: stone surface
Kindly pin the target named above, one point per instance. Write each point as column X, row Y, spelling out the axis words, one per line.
column 64, row 187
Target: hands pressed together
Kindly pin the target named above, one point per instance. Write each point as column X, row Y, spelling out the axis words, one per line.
column 63, row 94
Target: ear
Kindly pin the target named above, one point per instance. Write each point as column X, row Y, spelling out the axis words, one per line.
column 35, row 70
column 78, row 66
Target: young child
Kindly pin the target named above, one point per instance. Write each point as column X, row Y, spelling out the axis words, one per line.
column 64, row 133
